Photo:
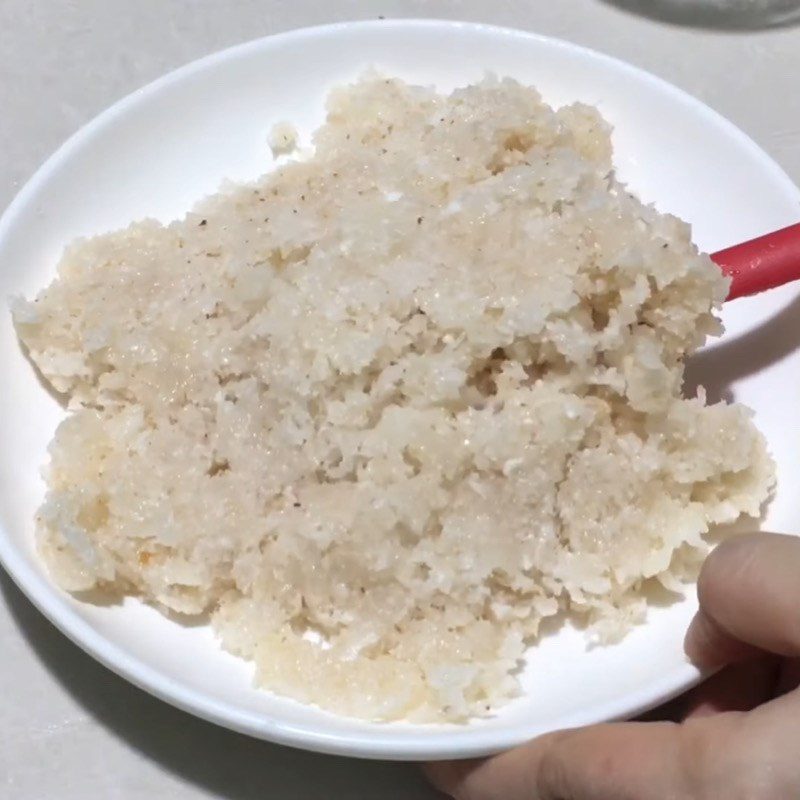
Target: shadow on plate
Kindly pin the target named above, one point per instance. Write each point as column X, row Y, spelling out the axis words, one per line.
column 718, row 368
column 722, row 15
column 224, row 764
column 62, row 398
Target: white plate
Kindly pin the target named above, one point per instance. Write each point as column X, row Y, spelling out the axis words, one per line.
column 162, row 148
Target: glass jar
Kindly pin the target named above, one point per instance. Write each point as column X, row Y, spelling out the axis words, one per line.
column 745, row 14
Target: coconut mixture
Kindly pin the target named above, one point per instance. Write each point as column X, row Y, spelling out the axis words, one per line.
column 383, row 411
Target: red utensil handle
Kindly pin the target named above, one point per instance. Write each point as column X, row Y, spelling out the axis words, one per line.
column 762, row 263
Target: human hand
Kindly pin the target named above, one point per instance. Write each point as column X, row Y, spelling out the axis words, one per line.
column 739, row 738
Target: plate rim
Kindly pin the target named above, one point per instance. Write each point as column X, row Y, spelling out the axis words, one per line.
column 455, row 743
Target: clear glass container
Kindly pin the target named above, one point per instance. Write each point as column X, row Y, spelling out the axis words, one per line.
column 745, row 14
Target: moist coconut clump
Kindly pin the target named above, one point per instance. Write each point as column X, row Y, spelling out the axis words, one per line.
column 383, row 411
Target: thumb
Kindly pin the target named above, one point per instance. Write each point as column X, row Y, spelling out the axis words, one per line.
column 749, row 596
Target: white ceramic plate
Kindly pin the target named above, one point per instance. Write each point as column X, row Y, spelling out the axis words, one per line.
column 162, row 148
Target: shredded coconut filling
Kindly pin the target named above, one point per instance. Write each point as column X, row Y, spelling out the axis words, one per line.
column 382, row 412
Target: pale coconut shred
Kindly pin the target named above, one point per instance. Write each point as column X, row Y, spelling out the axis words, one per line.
column 383, row 411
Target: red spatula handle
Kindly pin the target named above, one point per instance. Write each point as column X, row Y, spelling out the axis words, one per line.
column 762, row 263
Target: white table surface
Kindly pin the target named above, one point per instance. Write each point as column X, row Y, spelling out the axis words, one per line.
column 70, row 729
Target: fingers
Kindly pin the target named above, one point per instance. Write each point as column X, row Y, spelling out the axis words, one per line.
column 672, row 711
column 749, row 599
column 789, row 678
column 710, row 646
column 626, row 761
column 728, row 755
column 739, row 687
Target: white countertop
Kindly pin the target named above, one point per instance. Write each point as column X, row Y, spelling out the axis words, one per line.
column 70, row 728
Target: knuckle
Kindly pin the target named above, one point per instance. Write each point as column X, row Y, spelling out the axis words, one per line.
column 447, row 777
column 702, row 755
column 467, row 780
column 552, row 772
column 753, row 784
column 718, row 760
column 469, row 789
